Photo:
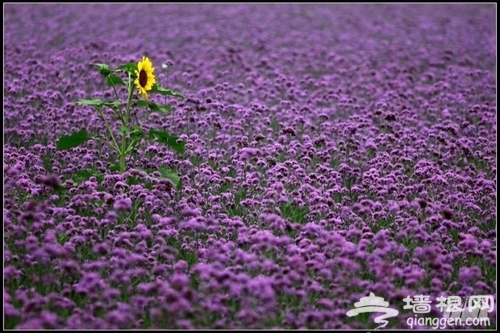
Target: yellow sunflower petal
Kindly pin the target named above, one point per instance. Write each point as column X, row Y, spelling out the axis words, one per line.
column 145, row 77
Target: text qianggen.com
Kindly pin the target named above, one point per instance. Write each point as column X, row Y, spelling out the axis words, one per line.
column 442, row 323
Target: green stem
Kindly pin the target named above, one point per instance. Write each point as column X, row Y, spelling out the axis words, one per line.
column 106, row 142
column 99, row 110
column 133, row 146
column 123, row 152
column 119, row 114
column 130, row 93
column 145, row 118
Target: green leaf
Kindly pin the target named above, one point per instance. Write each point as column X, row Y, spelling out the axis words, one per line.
column 113, row 104
column 136, row 133
column 104, row 69
column 130, row 67
column 160, row 90
column 165, row 138
column 60, row 190
column 62, row 238
column 171, row 175
column 91, row 102
column 114, row 80
column 73, row 140
column 114, row 167
column 98, row 102
column 132, row 181
column 179, row 186
column 136, row 130
column 142, row 103
column 124, row 130
column 166, row 109
column 83, row 175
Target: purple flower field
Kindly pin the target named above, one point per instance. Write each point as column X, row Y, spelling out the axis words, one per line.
column 332, row 151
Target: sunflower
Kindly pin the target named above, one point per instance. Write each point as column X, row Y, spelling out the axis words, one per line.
column 145, row 77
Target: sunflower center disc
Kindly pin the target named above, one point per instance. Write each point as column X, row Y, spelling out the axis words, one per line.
column 143, row 78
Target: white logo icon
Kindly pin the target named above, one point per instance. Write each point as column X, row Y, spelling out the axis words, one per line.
column 373, row 303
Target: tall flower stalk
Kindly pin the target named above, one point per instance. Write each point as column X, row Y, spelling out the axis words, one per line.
column 138, row 76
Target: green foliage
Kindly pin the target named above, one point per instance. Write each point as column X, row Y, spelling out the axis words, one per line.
column 98, row 103
column 112, row 80
column 129, row 68
column 114, row 167
column 157, row 89
column 90, row 102
column 294, row 213
column 103, row 69
column 166, row 109
column 131, row 134
column 171, row 175
column 73, row 140
column 171, row 141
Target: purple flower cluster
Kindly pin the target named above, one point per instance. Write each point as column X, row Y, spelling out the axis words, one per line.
column 331, row 151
